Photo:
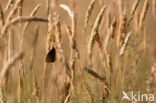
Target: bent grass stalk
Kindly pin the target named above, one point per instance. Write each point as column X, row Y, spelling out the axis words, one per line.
column 144, row 13
column 88, row 14
column 94, row 33
column 117, row 57
column 133, row 10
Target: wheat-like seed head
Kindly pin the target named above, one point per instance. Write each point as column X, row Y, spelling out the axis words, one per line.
column 133, row 10
column 88, row 13
column 94, row 31
column 122, row 30
column 50, row 35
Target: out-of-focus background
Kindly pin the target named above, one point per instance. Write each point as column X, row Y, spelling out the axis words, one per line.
column 136, row 63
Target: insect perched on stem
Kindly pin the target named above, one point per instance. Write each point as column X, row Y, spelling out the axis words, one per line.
column 51, row 56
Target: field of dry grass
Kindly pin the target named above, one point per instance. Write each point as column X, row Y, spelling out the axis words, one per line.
column 77, row 51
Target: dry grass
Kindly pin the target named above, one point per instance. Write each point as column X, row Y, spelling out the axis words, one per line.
column 116, row 57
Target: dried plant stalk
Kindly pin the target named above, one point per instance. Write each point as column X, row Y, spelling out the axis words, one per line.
column 108, row 19
column 133, row 10
column 9, row 4
column 122, row 30
column 34, row 45
column 94, row 74
column 13, row 11
column 1, row 18
column 20, row 8
column 8, row 65
column 48, row 6
column 2, row 97
column 101, row 80
column 94, row 32
column 60, row 47
column 50, row 35
column 21, row 19
column 144, row 13
column 66, row 70
column 10, row 45
column 35, row 90
column 72, row 37
column 59, row 37
column 88, row 13
column 8, row 57
column 100, row 49
column 124, row 46
column 27, row 24
column 49, row 44
column 34, row 11
column 105, row 58
column 66, row 8
column 110, row 35
column 120, row 6
column 136, row 22
column 111, row 32
column 73, row 50
column 66, row 92
column 72, row 32
column 154, row 7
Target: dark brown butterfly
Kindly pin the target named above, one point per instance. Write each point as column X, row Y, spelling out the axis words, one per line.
column 51, row 56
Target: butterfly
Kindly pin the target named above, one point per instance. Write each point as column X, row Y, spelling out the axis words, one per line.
column 51, row 56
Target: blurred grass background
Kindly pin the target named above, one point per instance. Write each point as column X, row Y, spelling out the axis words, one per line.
column 87, row 90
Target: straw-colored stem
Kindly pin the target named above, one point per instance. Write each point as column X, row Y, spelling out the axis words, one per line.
column 34, row 11
column 123, row 48
column 111, row 33
column 9, row 4
column 20, row 19
column 18, row 56
column 94, row 33
column 133, row 10
column 34, row 47
column 1, row 18
column 144, row 13
column 13, row 11
column 122, row 30
column 88, row 13
column 66, row 69
column 48, row 6
column 20, row 8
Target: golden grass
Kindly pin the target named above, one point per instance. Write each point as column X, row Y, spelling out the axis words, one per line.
column 93, row 70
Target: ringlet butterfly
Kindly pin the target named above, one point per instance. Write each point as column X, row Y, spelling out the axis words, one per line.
column 51, row 56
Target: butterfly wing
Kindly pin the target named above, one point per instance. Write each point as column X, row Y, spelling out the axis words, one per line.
column 51, row 56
